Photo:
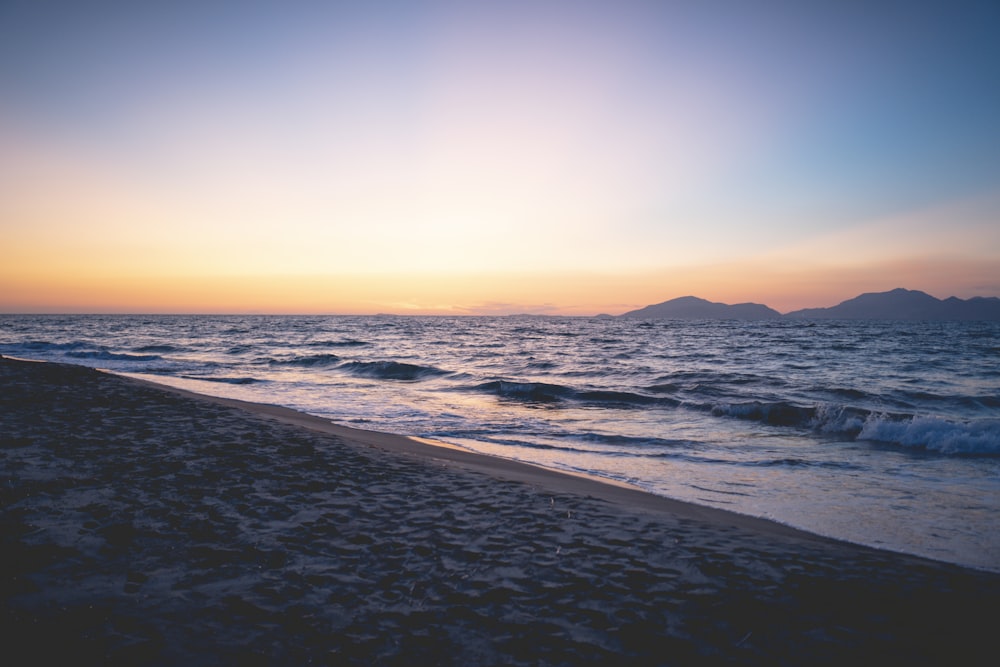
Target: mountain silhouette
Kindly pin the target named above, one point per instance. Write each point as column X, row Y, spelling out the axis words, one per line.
column 693, row 308
column 904, row 304
column 897, row 304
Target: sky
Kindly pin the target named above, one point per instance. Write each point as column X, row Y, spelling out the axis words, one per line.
column 566, row 157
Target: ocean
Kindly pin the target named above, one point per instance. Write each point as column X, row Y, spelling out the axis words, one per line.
column 880, row 433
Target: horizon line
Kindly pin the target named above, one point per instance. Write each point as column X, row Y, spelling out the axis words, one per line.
column 253, row 313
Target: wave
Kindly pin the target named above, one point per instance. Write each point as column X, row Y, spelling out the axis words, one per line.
column 534, row 392
column 79, row 350
column 391, row 370
column 776, row 413
column 927, row 433
column 974, row 402
column 631, row 441
column 622, row 398
column 843, row 392
column 664, row 388
column 338, row 343
column 790, row 462
column 983, row 401
column 225, row 380
column 725, row 493
column 308, row 361
column 609, row 446
column 159, row 349
column 41, row 345
column 832, row 419
column 839, row 419
column 934, row 434
column 543, row 392
column 104, row 355
column 529, row 444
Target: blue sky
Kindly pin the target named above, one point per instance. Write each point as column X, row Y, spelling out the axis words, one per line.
column 474, row 156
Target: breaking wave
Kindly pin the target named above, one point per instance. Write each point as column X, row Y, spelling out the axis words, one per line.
column 931, row 434
column 935, row 435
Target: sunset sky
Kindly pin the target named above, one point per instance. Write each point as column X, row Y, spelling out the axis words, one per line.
column 570, row 157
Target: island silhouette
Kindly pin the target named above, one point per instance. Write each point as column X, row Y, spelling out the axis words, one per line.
column 896, row 304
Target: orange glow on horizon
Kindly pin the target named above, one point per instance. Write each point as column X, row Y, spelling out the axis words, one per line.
column 783, row 288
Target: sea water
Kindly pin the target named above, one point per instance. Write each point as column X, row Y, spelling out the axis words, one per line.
column 881, row 433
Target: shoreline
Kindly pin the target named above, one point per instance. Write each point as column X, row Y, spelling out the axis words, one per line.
column 549, row 479
column 555, row 479
column 146, row 524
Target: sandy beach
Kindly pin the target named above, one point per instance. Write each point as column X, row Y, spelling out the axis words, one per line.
column 145, row 525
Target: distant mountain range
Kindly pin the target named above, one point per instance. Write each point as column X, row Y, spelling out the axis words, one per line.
column 693, row 308
column 897, row 304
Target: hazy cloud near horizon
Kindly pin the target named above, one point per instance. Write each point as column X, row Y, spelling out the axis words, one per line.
column 594, row 155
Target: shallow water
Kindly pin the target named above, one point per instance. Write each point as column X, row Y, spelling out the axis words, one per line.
column 884, row 433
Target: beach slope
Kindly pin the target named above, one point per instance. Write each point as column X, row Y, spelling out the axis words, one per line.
column 145, row 525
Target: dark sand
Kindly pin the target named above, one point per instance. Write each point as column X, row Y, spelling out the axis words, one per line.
column 143, row 525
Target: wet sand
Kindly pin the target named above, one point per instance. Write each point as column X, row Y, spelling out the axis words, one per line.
column 145, row 525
